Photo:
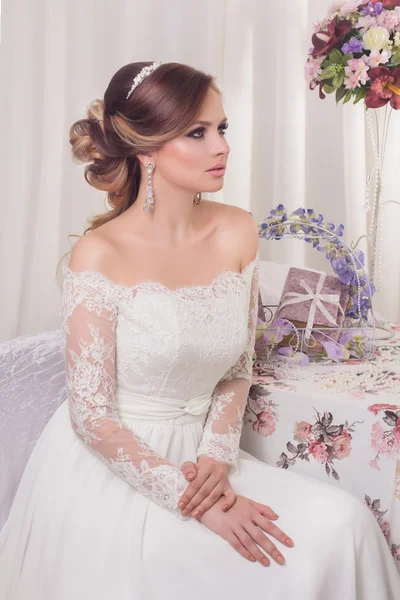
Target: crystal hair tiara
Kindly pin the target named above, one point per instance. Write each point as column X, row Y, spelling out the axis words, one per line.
column 144, row 73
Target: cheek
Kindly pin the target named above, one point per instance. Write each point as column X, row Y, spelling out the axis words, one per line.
column 185, row 153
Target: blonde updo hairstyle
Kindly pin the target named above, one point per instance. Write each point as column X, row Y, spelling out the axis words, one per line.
column 116, row 129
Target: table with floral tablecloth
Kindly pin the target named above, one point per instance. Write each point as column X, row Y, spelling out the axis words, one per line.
column 349, row 438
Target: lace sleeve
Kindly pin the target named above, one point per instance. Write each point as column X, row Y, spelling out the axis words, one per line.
column 88, row 322
column 223, row 426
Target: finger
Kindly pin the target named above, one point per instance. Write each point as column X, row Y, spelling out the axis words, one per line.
column 262, row 540
column 266, row 511
column 230, row 499
column 270, row 528
column 251, row 546
column 192, row 489
column 208, row 502
column 204, row 493
column 238, row 546
column 189, row 470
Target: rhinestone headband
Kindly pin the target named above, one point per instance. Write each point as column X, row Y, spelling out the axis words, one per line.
column 144, row 73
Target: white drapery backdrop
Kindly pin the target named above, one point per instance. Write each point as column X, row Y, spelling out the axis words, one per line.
column 287, row 146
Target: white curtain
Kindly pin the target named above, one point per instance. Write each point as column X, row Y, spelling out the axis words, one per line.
column 287, row 146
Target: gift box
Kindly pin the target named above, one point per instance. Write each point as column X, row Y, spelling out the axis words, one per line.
column 313, row 300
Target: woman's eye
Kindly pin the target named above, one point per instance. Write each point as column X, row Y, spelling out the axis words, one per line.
column 200, row 131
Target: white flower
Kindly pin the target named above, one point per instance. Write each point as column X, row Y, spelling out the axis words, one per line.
column 376, row 38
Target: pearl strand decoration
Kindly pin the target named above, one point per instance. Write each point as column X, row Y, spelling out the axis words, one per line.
column 378, row 204
column 276, row 343
column 283, row 369
column 383, row 375
column 378, row 376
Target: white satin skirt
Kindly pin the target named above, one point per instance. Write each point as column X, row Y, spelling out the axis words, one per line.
column 77, row 531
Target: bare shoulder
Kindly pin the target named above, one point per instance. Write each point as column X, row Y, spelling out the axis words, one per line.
column 238, row 225
column 93, row 252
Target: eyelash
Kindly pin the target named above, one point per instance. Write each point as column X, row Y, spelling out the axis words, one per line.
column 202, row 129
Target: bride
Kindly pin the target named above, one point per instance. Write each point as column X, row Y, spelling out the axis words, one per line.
column 137, row 488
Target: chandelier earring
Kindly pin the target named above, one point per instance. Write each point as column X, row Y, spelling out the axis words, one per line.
column 148, row 206
column 197, row 198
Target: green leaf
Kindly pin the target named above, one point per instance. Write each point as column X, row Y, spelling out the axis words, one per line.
column 360, row 94
column 395, row 60
column 329, row 89
column 335, row 56
column 328, row 73
column 347, row 57
column 348, row 96
column 338, row 80
column 340, row 93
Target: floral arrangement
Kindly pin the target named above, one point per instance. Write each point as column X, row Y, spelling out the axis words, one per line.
column 356, row 53
column 325, row 238
column 322, row 440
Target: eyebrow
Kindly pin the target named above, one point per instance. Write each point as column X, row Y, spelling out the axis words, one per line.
column 208, row 122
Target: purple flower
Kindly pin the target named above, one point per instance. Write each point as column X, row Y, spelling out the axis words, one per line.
column 373, row 9
column 343, row 270
column 334, row 351
column 360, row 256
column 277, row 331
column 339, row 230
column 354, row 46
column 346, row 337
column 297, row 358
column 300, row 212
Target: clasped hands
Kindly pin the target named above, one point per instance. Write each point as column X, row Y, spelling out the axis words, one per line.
column 245, row 525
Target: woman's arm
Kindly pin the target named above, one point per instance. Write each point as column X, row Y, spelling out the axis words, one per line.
column 223, row 426
column 89, row 319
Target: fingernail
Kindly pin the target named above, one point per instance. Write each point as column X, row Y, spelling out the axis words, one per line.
column 190, row 476
column 224, row 507
column 180, row 504
column 289, row 542
column 195, row 513
column 185, row 512
column 280, row 559
column 265, row 561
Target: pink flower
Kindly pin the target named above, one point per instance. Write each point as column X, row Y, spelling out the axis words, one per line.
column 319, row 451
column 375, row 408
column 374, row 465
column 396, row 434
column 385, row 526
column 265, row 424
column 313, row 69
column 382, row 442
column 342, row 445
column 302, row 431
column 377, row 58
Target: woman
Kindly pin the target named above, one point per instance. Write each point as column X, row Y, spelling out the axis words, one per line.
column 158, row 314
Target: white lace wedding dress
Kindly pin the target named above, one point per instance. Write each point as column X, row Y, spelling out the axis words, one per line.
column 155, row 377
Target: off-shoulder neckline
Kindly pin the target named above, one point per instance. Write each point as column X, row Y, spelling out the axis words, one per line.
column 157, row 284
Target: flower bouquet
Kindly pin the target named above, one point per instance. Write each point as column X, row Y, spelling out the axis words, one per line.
column 356, row 53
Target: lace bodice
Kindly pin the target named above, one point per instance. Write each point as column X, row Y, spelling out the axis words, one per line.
column 153, row 353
